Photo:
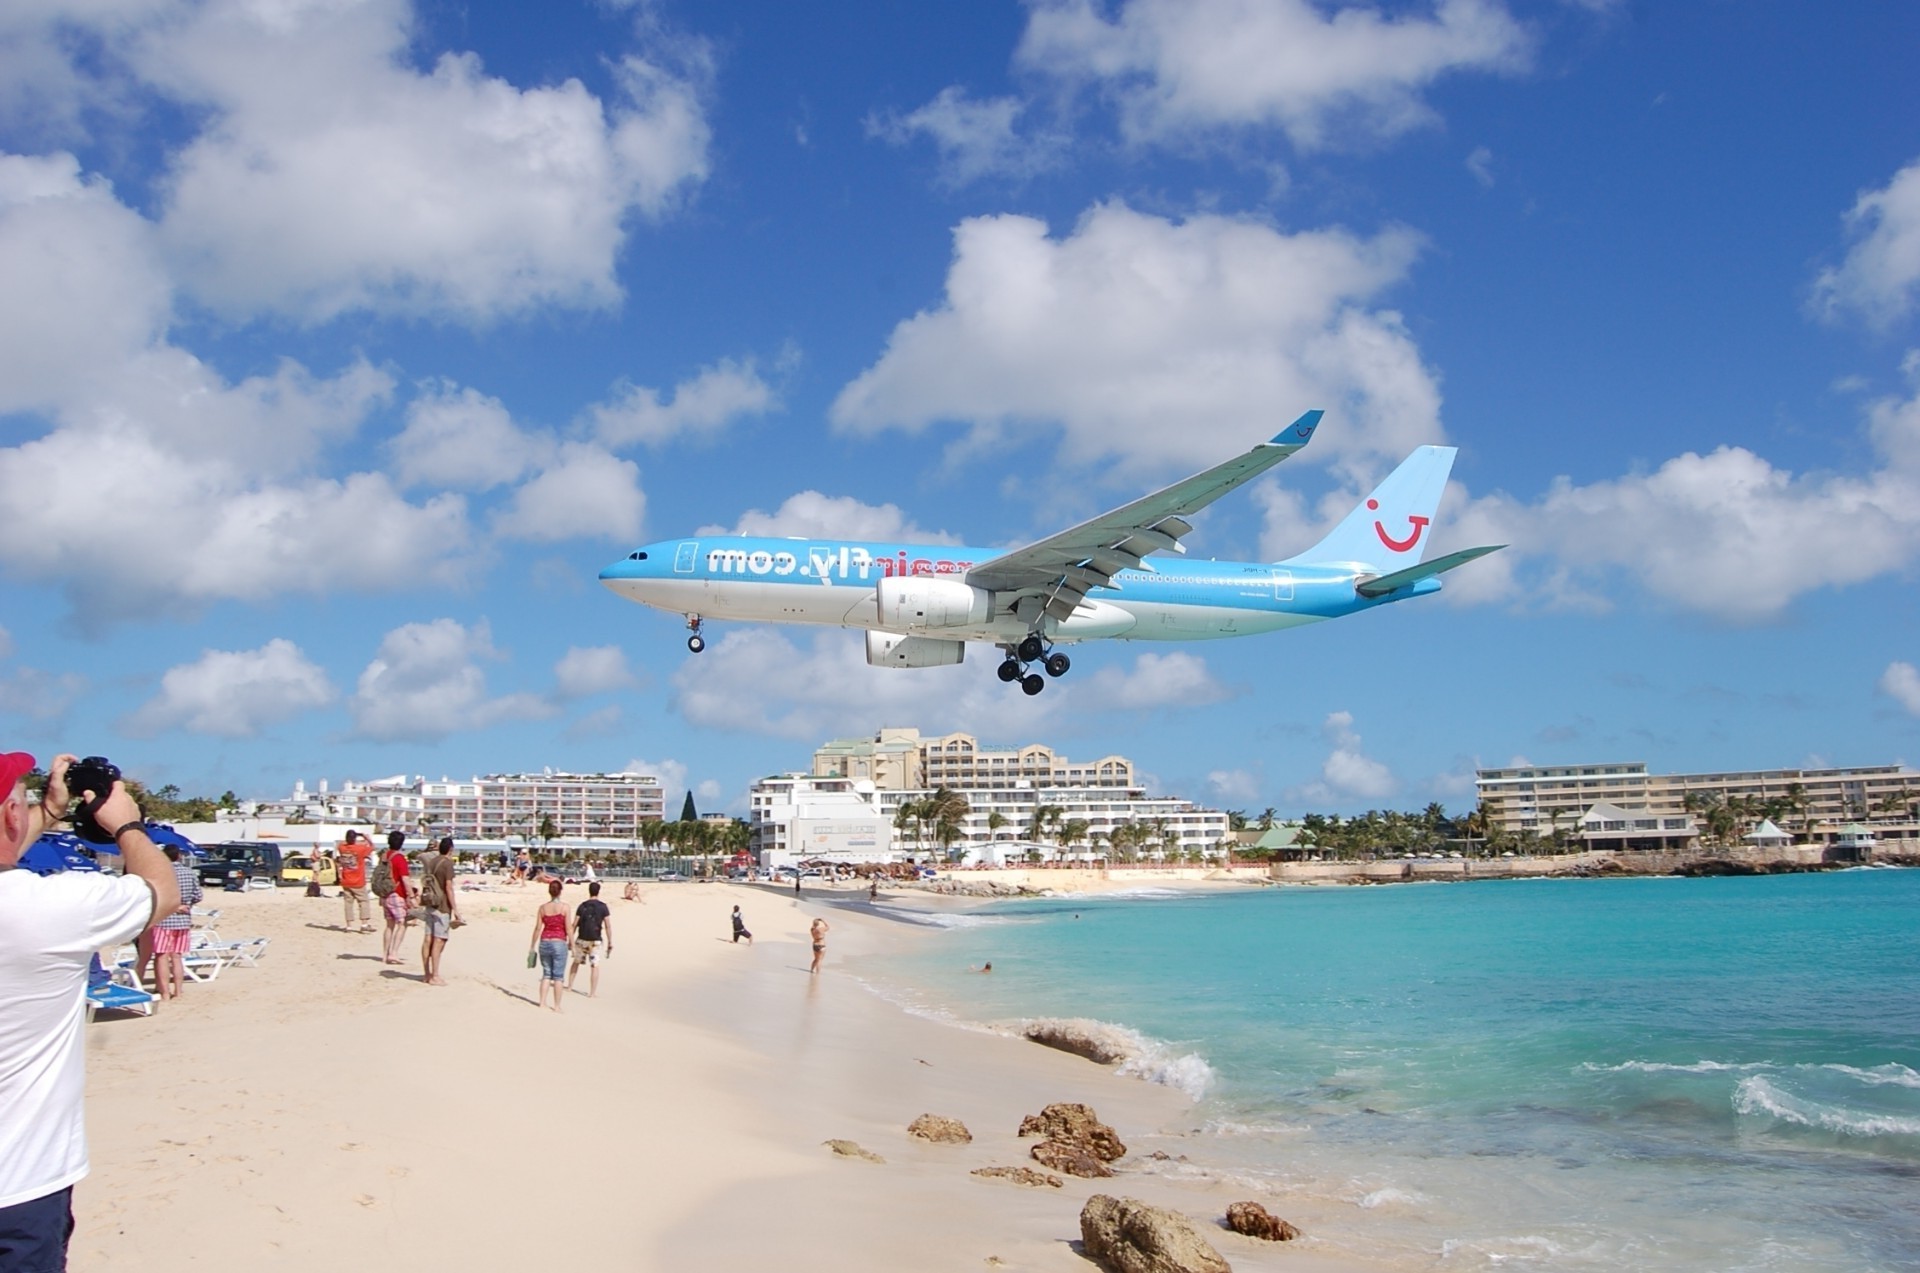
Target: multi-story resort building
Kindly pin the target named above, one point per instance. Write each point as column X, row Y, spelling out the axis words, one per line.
column 1820, row 806
column 604, row 806
column 1010, row 793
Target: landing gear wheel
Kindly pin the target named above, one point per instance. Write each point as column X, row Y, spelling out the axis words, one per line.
column 1010, row 670
column 1030, row 649
column 696, row 643
column 1033, row 683
column 1057, row 664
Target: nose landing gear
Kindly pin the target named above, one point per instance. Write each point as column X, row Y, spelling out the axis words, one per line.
column 696, row 642
column 1014, row 668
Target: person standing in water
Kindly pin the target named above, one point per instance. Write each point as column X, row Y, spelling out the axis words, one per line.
column 819, row 931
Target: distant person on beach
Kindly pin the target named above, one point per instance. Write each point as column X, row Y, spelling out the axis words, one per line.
column 796, row 881
column 354, row 856
column 443, row 911
column 398, row 898
column 592, row 924
column 740, row 928
column 819, row 932
column 50, row 925
column 873, row 889
column 631, row 892
column 522, row 867
column 986, row 967
column 552, row 933
column 173, row 933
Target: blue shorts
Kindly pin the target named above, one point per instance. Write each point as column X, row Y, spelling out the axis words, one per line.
column 553, row 959
column 33, row 1234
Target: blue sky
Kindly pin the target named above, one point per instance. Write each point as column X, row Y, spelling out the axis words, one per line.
column 344, row 342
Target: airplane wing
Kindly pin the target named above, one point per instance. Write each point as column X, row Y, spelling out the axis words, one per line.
column 1381, row 585
column 1061, row 569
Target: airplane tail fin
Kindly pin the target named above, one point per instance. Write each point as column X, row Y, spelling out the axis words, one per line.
column 1388, row 531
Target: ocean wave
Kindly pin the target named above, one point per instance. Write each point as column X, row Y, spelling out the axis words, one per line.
column 1231, row 1127
column 1391, row 1197
column 1755, row 1097
column 1668, row 1067
column 1892, row 1074
column 943, row 919
column 1131, row 1053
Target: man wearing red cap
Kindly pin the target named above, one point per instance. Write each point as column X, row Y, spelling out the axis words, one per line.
column 49, row 928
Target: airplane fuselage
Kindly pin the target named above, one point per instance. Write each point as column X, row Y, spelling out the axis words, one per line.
column 836, row 582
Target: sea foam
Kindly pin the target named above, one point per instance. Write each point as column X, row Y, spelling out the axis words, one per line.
column 1131, row 1053
column 1755, row 1097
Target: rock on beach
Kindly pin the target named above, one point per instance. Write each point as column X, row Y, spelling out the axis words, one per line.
column 1125, row 1235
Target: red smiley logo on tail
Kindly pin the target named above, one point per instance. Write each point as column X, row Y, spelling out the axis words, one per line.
column 1419, row 525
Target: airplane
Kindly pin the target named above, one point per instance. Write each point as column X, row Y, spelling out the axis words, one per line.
column 920, row 604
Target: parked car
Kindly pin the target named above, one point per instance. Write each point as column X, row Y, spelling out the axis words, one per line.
column 298, row 868
column 244, row 860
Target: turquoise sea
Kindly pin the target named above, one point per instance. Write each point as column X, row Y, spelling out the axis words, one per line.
column 1716, row 1074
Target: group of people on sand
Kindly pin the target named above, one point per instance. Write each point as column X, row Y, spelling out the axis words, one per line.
column 558, row 933
column 368, row 877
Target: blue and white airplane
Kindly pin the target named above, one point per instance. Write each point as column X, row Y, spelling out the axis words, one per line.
column 920, row 604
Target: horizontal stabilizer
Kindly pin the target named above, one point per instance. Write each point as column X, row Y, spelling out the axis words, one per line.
column 1381, row 585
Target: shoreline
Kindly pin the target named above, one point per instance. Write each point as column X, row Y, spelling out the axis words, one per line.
column 322, row 1103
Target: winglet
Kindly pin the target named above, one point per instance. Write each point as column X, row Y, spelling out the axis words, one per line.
column 1300, row 431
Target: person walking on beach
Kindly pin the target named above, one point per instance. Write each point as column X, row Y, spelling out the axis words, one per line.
column 592, row 921
column 173, row 934
column 354, row 856
column 437, row 894
column 50, row 925
column 398, row 899
column 552, row 933
column 740, row 928
column 819, row 931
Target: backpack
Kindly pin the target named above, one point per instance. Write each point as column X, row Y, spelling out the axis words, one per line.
column 383, row 879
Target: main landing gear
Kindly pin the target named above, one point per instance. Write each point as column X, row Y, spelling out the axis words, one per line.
column 696, row 642
column 1032, row 650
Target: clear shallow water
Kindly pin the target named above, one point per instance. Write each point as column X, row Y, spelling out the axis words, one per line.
column 1679, row 1074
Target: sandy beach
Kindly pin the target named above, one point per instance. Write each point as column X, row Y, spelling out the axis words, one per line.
column 324, row 1108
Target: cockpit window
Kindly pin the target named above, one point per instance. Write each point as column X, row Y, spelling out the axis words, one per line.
column 636, row 556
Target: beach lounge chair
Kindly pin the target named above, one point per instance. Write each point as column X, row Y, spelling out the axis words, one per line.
column 246, row 952
column 112, row 994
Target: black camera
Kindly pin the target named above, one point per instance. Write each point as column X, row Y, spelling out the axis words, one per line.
column 96, row 774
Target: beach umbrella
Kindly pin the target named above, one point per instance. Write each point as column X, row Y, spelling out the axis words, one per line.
column 163, row 835
column 57, row 851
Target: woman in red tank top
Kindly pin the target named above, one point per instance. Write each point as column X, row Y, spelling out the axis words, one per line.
column 552, row 936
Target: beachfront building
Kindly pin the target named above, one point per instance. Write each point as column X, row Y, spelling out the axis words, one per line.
column 494, row 807
column 1054, row 807
column 1814, row 806
column 800, row 818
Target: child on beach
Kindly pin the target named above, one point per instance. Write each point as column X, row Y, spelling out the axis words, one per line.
column 740, row 928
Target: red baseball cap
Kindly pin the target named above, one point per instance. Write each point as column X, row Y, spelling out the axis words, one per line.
column 13, row 767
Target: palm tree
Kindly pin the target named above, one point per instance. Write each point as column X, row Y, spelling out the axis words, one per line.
column 1074, row 831
column 1266, row 819
column 948, row 811
column 995, row 821
column 1046, row 817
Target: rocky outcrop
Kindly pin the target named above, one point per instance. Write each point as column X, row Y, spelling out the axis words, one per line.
column 1071, row 1157
column 1076, row 1124
column 1124, row 1235
column 940, row 1129
column 1095, row 1040
column 1021, row 1176
column 1256, row 1221
column 848, row 1149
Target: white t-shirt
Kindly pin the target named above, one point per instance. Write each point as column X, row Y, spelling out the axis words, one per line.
column 49, row 928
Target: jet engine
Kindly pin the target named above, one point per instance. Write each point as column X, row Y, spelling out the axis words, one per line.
column 890, row 649
column 908, row 603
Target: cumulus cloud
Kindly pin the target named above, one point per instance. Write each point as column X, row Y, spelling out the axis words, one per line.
column 460, row 439
column 703, row 406
column 1176, row 69
column 584, row 492
column 1178, row 679
column 1150, row 341
column 974, row 138
column 426, row 682
column 37, row 694
column 1480, row 164
column 1879, row 280
column 587, row 670
column 673, row 785
column 756, row 681
column 234, row 693
column 1901, row 683
column 810, row 514
column 329, row 175
column 1348, row 774
column 1233, row 786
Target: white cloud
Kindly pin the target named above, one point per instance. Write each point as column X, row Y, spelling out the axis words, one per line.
column 1152, row 342
column 1879, row 280
column 587, row 670
column 234, row 693
column 975, row 138
column 1348, row 773
column 460, row 439
column 1177, row 679
column 585, row 492
column 1180, row 68
column 1480, row 164
column 330, row 176
column 426, row 683
column 1233, row 786
column 6, row 644
column 1901, row 682
column 703, row 406
column 755, row 681
column 810, row 514
column 39, row 695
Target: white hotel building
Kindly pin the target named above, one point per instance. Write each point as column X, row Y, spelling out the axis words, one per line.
column 494, row 807
column 845, row 810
